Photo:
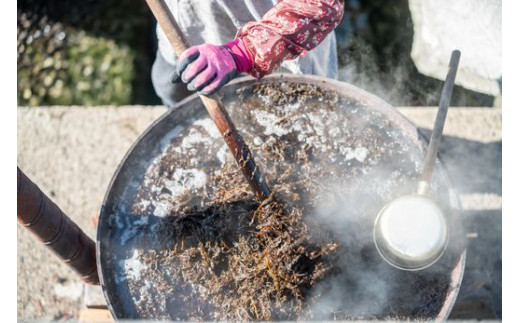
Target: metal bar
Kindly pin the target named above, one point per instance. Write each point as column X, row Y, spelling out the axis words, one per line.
column 214, row 106
column 435, row 139
column 50, row 225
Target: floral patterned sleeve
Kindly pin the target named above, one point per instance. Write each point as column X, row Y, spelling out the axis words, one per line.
column 289, row 29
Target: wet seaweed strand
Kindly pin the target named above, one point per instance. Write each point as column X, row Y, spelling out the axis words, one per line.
column 262, row 273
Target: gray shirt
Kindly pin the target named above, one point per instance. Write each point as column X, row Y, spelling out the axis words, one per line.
column 217, row 22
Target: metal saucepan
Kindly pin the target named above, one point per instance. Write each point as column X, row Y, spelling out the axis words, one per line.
column 411, row 232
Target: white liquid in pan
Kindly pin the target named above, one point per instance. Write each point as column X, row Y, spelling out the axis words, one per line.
column 413, row 228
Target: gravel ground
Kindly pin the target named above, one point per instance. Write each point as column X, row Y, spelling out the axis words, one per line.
column 71, row 153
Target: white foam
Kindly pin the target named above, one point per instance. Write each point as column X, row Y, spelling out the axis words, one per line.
column 161, row 209
column 209, row 126
column 257, row 141
column 185, row 179
column 222, row 153
column 133, row 266
column 358, row 153
column 268, row 120
column 192, row 139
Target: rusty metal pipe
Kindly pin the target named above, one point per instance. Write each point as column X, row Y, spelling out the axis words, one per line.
column 49, row 224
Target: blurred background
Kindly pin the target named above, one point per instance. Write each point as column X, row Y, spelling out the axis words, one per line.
column 92, row 52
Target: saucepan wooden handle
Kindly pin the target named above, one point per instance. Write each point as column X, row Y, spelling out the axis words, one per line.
column 435, row 139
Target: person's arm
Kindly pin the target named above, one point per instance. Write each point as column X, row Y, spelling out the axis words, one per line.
column 286, row 31
column 289, row 29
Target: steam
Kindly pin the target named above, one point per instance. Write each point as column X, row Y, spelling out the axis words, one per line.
column 366, row 283
column 395, row 80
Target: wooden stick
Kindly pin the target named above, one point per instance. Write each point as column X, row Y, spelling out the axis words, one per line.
column 213, row 105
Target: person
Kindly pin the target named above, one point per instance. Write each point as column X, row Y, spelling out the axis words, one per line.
column 256, row 37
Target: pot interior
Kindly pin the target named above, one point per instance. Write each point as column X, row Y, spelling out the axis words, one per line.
column 178, row 231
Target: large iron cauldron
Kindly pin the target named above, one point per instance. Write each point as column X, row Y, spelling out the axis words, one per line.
column 364, row 153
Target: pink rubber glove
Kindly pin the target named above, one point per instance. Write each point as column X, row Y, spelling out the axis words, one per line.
column 206, row 68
